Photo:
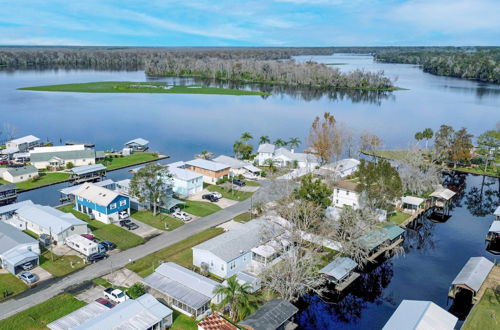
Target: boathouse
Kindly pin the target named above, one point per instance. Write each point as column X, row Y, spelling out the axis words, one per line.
column 470, row 279
column 494, row 231
column 88, row 173
column 381, row 240
column 138, row 144
column 416, row 314
column 277, row 314
column 411, row 203
column 341, row 272
column 8, row 193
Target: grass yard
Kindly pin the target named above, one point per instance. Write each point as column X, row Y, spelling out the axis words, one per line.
column 11, row 284
column 44, row 180
column 37, row 317
column 398, row 218
column 230, row 194
column 244, row 217
column 114, row 163
column 486, row 314
column 200, row 209
column 62, row 265
column 159, row 221
column 183, row 322
column 123, row 238
column 251, row 183
column 139, row 87
column 179, row 253
column 32, row 234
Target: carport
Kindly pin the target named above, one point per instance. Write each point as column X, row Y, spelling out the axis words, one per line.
column 13, row 260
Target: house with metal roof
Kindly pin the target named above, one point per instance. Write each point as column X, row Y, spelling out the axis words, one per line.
column 340, row 272
column 16, row 249
column 185, row 182
column 59, row 159
column 24, row 143
column 420, row 315
column 239, row 167
column 138, row 144
column 182, row 289
column 94, row 172
column 20, row 174
column 215, row 322
column 47, row 220
column 143, row 313
column 471, row 278
column 277, row 314
column 343, row 167
column 211, row 171
column 8, row 211
column 8, row 193
column 103, row 204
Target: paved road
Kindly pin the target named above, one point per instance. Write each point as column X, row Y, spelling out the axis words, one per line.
column 269, row 191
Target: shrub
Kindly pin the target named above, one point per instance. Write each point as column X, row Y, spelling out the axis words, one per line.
column 70, row 165
column 35, row 178
column 136, row 291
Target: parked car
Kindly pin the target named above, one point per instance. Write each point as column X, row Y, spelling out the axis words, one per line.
column 239, row 182
column 109, row 245
column 4, row 162
column 174, row 209
column 217, row 194
column 181, row 216
column 128, row 224
column 105, row 302
column 89, row 237
column 95, row 257
column 28, row 278
column 210, row 197
column 123, row 215
column 102, row 247
column 28, row 266
column 115, row 295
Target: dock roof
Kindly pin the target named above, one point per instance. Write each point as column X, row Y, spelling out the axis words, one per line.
column 207, row 164
column 339, row 268
column 25, row 139
column 11, row 237
column 81, row 170
column 271, row 316
column 412, row 200
column 416, row 315
column 7, row 187
column 443, row 193
column 96, row 194
column 495, row 227
column 474, row 273
column 374, row 238
column 138, row 141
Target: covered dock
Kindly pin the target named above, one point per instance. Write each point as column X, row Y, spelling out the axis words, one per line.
column 8, row 193
column 470, row 279
column 412, row 203
column 381, row 240
column 341, row 272
column 441, row 198
column 494, row 231
column 88, row 173
column 138, row 144
column 416, row 314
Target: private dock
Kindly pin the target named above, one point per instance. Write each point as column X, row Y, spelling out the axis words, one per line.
column 384, row 249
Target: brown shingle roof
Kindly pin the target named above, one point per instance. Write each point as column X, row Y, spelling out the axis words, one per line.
column 216, row 322
column 347, row 185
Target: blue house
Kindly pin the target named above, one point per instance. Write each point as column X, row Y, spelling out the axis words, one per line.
column 103, row 204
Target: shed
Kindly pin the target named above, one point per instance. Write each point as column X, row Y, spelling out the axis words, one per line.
column 339, row 269
column 276, row 314
column 421, row 315
column 472, row 276
column 411, row 202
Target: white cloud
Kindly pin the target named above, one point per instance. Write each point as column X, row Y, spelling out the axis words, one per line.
column 43, row 42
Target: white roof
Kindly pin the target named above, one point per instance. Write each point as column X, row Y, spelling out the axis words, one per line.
column 495, row 227
column 183, row 174
column 252, row 168
column 443, row 193
column 9, row 151
column 411, row 200
column 78, row 317
column 298, row 156
column 474, row 273
column 139, row 141
column 420, row 315
column 230, row 161
column 81, row 240
column 49, row 218
column 12, row 207
column 96, row 194
column 25, row 139
column 497, row 212
column 70, row 190
column 342, row 165
column 207, row 164
column 266, row 147
column 38, row 150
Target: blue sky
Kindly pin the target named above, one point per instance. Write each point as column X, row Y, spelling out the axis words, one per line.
column 250, row 23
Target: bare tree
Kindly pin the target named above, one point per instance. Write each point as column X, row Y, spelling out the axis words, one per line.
column 369, row 142
column 326, row 138
column 417, row 174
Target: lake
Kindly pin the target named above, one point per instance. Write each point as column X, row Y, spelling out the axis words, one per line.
column 183, row 125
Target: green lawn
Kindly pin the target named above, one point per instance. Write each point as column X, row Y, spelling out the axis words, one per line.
column 113, row 163
column 486, row 314
column 12, row 284
column 183, row 322
column 179, row 253
column 159, row 221
column 200, row 209
column 244, row 217
column 252, row 183
column 230, row 193
column 124, row 239
column 37, row 317
column 61, row 265
column 32, row 234
column 398, row 218
column 139, row 87
column 45, row 180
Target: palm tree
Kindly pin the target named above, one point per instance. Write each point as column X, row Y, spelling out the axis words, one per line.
column 264, row 139
column 205, row 154
column 237, row 148
column 280, row 142
column 237, row 297
column 271, row 164
column 427, row 134
column 246, row 136
column 419, row 137
column 294, row 143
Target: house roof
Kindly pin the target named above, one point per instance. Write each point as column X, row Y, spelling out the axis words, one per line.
column 271, row 316
column 207, row 164
column 474, row 273
column 298, row 156
column 81, row 315
column 70, row 190
column 231, row 244
column 16, row 257
column 10, row 237
column 374, row 238
column 64, row 155
column 339, row 268
column 138, row 141
column 7, row 187
column 497, row 211
column 266, row 147
column 415, row 314
column 9, row 151
column 183, row 174
column 132, row 314
column 495, row 227
column 252, row 168
column 215, row 322
column 342, row 165
column 25, row 139
column 17, row 171
column 12, row 207
column 412, row 200
column 96, row 194
column 49, row 218
column 230, row 161
column 73, row 147
column 443, row 193
column 80, row 170
column 182, row 284
column 347, row 185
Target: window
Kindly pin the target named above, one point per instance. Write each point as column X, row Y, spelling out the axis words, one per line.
column 123, row 202
column 338, row 191
column 112, row 206
column 347, row 193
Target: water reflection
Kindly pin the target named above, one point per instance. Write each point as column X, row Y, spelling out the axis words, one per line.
column 482, row 201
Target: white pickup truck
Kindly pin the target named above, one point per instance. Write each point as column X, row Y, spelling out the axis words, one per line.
column 115, row 295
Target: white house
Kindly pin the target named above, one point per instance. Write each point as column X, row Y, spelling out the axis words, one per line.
column 233, row 251
column 343, row 167
column 284, row 157
column 239, row 167
column 345, row 193
column 185, row 182
column 265, row 152
column 20, row 174
column 56, row 159
column 24, row 143
column 47, row 220
column 16, row 248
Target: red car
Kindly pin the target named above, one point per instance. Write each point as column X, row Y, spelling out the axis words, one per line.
column 105, row 302
column 90, row 237
column 4, row 162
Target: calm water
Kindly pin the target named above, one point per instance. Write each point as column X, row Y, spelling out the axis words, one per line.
column 183, row 125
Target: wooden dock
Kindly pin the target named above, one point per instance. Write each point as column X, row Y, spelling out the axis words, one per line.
column 347, row 281
column 383, row 250
column 412, row 218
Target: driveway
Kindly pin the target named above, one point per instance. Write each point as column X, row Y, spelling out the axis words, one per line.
column 222, row 203
column 91, row 294
column 244, row 188
column 144, row 230
column 42, row 273
column 64, row 250
column 122, row 277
